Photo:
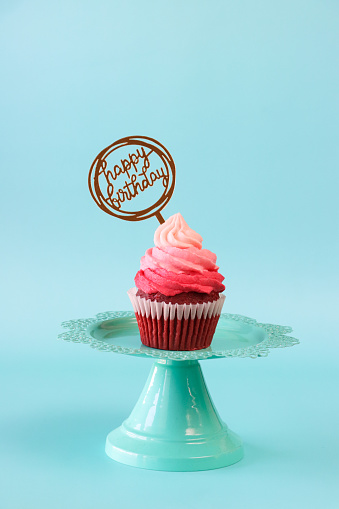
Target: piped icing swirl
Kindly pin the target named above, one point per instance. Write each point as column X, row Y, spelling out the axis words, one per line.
column 175, row 232
column 178, row 264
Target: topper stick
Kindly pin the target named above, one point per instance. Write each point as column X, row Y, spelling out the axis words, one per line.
column 159, row 217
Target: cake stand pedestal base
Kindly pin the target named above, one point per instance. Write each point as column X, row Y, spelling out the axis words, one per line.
column 174, row 425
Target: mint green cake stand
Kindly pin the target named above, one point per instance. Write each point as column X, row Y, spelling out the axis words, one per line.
column 174, row 425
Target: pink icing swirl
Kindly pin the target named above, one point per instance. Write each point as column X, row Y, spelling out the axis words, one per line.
column 178, row 264
column 178, row 260
column 176, row 232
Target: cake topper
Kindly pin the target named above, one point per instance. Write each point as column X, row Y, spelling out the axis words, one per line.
column 133, row 173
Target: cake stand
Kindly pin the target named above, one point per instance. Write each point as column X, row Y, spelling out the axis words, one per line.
column 174, row 425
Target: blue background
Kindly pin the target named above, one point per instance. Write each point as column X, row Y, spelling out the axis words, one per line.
column 245, row 97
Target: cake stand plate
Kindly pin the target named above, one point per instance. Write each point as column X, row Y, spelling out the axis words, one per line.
column 175, row 426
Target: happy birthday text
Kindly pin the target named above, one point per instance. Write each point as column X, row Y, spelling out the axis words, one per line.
column 136, row 180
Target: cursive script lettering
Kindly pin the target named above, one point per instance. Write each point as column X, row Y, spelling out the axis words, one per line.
column 138, row 178
column 117, row 177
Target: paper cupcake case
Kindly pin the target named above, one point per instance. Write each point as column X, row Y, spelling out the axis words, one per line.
column 169, row 326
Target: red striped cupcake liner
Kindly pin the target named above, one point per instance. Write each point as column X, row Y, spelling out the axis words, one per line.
column 168, row 326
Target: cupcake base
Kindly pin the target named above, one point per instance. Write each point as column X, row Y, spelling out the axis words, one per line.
column 168, row 326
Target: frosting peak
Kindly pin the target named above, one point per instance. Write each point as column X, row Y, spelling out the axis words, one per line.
column 175, row 232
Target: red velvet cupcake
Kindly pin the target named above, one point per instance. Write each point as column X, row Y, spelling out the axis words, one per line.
column 177, row 300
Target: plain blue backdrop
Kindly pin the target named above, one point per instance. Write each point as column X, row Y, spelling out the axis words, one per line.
column 245, row 97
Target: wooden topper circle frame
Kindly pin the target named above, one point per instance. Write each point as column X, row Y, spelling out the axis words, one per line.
column 153, row 210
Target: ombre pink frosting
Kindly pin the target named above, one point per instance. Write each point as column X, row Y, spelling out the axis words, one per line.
column 178, row 264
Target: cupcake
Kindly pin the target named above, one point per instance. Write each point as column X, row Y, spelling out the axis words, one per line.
column 177, row 299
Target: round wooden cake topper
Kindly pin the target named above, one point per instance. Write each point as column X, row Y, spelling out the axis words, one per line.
column 127, row 173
